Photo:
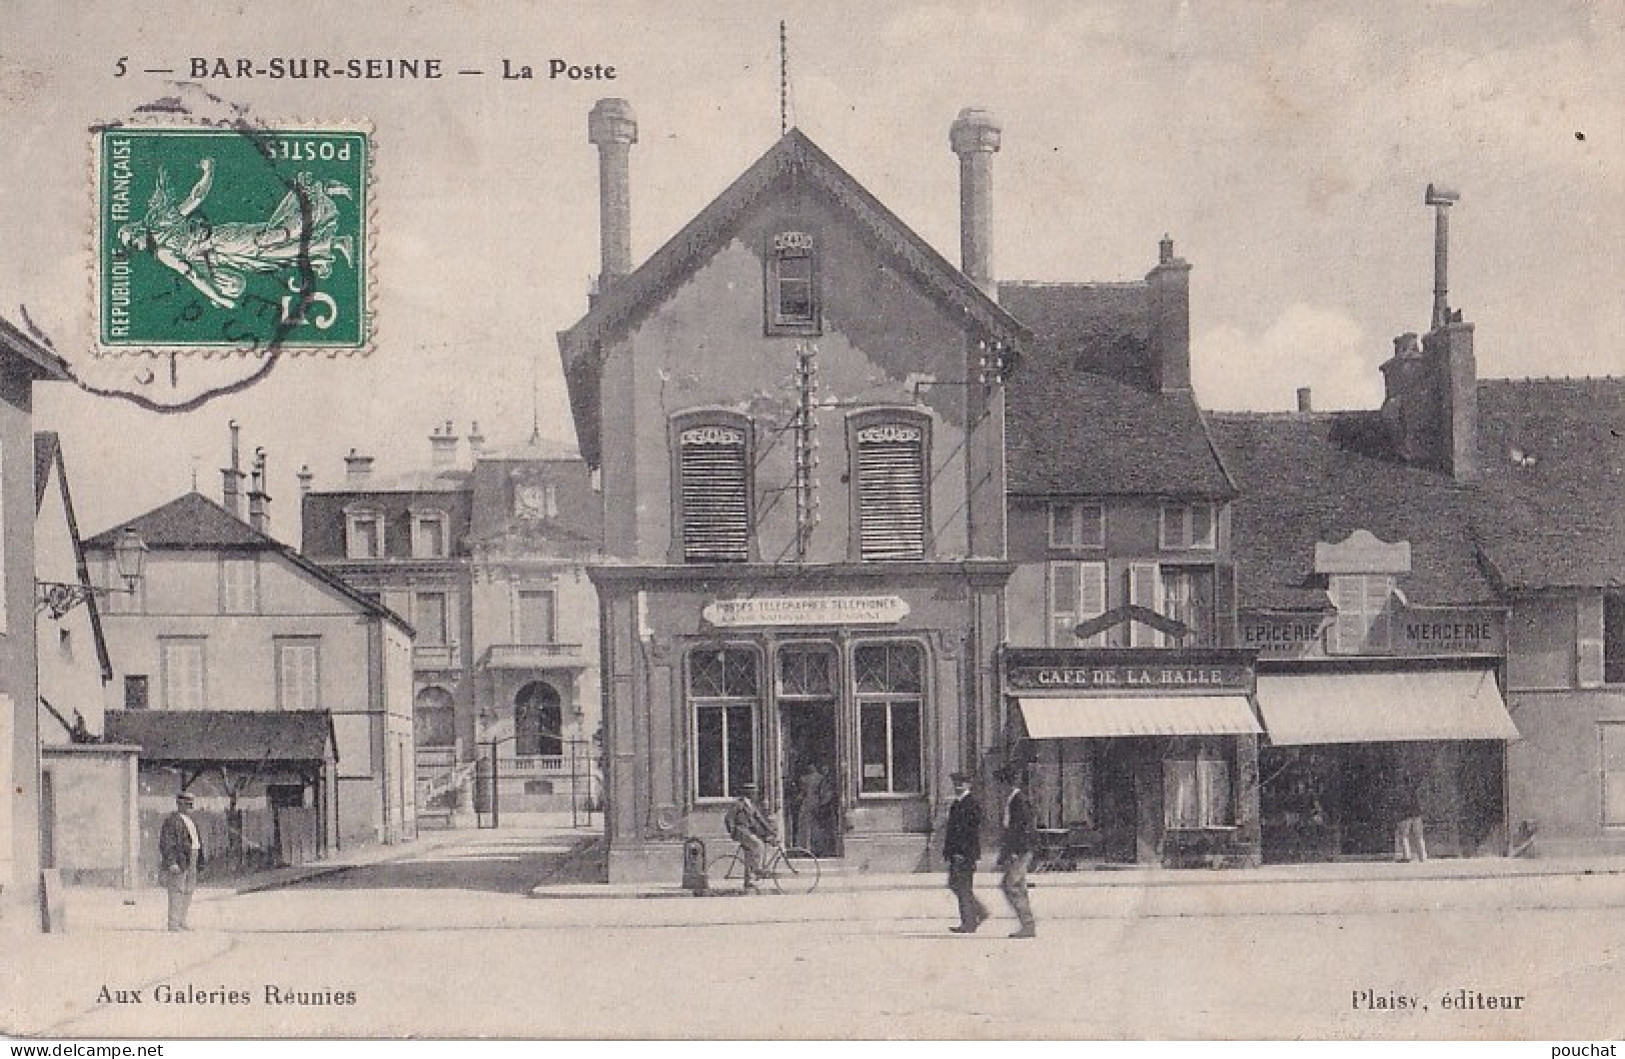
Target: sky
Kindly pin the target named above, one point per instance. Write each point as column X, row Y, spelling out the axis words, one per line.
column 1285, row 147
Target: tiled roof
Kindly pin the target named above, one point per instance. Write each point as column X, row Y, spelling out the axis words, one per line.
column 189, row 521
column 325, row 525
column 225, row 735
column 793, row 156
column 1552, row 466
column 1081, row 415
column 1306, row 478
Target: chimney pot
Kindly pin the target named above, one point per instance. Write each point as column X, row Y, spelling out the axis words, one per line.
column 305, row 477
column 259, row 501
column 443, row 447
column 1169, row 286
column 1305, row 401
column 613, row 129
column 975, row 137
column 357, row 469
column 1441, row 199
column 231, row 478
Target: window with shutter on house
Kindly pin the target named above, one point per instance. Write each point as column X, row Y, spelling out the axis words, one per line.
column 1363, row 620
column 1144, row 590
column 1188, row 527
column 1187, row 597
column 1077, row 593
column 891, row 491
column 185, row 682
column 714, row 483
column 1613, row 638
column 298, row 667
column 1077, row 525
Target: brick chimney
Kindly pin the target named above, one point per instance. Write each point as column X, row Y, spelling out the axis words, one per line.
column 357, row 470
column 975, row 137
column 259, row 501
column 231, row 478
column 1170, row 332
column 1306, row 402
column 1431, row 385
column 613, row 128
column 443, row 447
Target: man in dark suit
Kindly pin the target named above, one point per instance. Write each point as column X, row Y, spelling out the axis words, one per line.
column 180, row 854
column 1017, row 841
column 962, row 848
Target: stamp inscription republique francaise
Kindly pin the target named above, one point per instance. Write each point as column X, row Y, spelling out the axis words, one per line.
column 240, row 240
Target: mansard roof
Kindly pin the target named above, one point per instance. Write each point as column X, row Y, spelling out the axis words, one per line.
column 631, row 297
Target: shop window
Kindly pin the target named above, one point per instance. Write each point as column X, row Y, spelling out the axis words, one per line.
column 298, row 673
column 724, row 688
column 792, row 285
column 1613, row 774
column 1077, row 593
column 1363, row 619
column 1188, row 527
column 889, row 461
column 890, row 684
column 184, row 680
column 239, row 586
column 430, row 539
column 363, row 535
column 434, row 718
column 431, row 617
column 1079, row 525
column 538, row 721
column 1187, row 597
column 1196, row 793
column 713, row 473
column 1613, row 638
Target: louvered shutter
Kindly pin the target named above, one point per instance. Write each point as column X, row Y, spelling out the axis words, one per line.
column 891, row 492
column 715, row 495
column 1144, row 590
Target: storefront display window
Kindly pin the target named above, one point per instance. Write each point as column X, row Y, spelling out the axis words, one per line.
column 1196, row 793
column 890, row 688
column 723, row 686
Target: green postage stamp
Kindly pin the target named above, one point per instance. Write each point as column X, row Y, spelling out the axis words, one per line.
column 232, row 240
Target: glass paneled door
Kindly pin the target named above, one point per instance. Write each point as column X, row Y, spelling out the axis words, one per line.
column 807, row 705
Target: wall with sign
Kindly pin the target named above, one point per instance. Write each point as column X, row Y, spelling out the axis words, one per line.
column 1412, row 632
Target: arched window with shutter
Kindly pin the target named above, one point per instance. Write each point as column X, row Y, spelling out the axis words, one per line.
column 890, row 483
column 712, row 475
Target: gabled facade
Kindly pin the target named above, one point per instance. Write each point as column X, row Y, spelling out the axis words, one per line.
column 796, row 410
column 226, row 618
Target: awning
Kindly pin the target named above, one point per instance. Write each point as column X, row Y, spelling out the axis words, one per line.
column 1096, row 717
column 1303, row 708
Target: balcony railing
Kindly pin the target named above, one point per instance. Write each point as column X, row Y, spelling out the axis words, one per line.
column 534, row 656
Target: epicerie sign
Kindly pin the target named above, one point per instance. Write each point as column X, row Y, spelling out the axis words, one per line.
column 806, row 610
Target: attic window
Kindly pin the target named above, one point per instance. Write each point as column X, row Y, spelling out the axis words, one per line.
column 792, row 294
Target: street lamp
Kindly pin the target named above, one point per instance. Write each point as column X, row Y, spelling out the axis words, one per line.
column 56, row 598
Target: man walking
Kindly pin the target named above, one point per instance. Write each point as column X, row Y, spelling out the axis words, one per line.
column 180, row 855
column 1016, row 843
column 962, row 848
column 748, row 826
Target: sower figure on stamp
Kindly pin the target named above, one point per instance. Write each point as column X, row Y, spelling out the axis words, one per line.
column 1016, row 844
column 180, row 855
column 747, row 826
column 962, row 848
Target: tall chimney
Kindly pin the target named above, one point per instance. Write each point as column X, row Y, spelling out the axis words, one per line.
column 231, row 478
column 1170, row 333
column 975, row 136
column 357, row 470
column 1441, row 198
column 443, row 448
column 614, row 129
column 1305, row 400
column 305, row 477
column 259, row 501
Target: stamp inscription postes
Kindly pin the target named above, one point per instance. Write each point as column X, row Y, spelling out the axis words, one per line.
column 232, row 240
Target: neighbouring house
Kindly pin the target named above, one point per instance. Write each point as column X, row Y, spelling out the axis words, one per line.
column 228, row 620
column 487, row 557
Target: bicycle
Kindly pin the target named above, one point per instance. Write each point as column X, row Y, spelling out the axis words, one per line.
column 793, row 870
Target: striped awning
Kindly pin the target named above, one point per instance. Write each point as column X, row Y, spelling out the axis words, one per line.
column 1099, row 717
column 1305, row 708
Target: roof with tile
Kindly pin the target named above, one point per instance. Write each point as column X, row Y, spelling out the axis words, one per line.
column 1082, row 415
column 225, row 735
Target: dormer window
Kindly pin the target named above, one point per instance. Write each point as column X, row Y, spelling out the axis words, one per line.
column 792, row 285
column 1364, row 621
column 430, row 536
column 363, row 535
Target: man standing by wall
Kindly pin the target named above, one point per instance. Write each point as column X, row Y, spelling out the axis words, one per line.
column 180, row 854
column 1016, row 849
column 962, row 848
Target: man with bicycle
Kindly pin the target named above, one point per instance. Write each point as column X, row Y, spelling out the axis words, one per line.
column 750, row 827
